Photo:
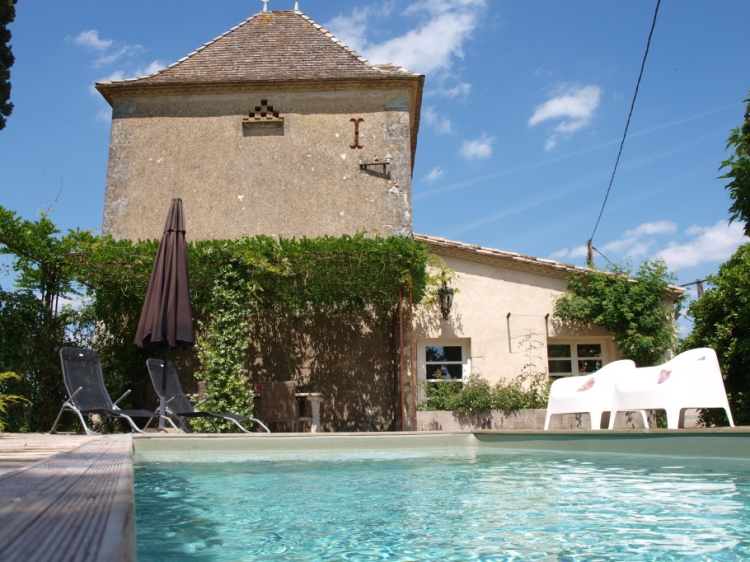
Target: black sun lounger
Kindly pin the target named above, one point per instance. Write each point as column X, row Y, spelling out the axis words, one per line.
column 82, row 373
column 178, row 404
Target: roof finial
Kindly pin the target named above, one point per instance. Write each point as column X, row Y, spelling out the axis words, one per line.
column 296, row 6
column 265, row 5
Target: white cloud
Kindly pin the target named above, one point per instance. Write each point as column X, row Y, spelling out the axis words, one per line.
column 435, row 174
column 352, row 30
column 574, row 105
column 104, row 115
column 460, row 89
column 704, row 244
column 118, row 75
column 108, row 50
column 153, row 67
column 577, row 252
column 708, row 244
column 91, row 40
column 120, row 52
column 429, row 48
column 632, row 242
column 479, row 148
column 441, row 124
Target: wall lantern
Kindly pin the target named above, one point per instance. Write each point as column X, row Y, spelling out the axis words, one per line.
column 446, row 299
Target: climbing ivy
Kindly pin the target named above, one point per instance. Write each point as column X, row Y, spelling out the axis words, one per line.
column 638, row 310
column 233, row 283
column 222, row 346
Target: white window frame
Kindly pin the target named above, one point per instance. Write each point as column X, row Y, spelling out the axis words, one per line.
column 574, row 343
column 422, row 345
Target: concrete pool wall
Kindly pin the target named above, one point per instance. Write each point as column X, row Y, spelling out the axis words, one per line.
column 700, row 443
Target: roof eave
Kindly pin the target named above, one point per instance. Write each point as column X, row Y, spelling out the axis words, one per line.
column 137, row 87
column 512, row 260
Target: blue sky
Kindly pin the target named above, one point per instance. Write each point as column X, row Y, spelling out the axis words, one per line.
column 524, row 108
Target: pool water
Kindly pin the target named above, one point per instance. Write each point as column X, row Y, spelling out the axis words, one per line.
column 443, row 505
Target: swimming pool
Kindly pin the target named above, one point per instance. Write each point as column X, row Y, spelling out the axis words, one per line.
column 466, row 503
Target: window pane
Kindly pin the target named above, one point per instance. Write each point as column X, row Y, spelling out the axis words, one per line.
column 447, row 372
column 560, row 366
column 558, row 350
column 436, row 353
column 589, row 365
column 589, row 350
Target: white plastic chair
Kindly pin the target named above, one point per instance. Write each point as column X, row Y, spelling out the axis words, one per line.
column 590, row 394
column 690, row 380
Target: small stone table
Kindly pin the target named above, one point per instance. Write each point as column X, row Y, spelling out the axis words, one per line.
column 315, row 399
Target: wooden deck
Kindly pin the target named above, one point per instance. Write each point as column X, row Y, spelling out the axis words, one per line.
column 18, row 450
column 67, row 498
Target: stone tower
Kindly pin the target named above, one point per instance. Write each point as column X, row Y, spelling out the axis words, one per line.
column 275, row 128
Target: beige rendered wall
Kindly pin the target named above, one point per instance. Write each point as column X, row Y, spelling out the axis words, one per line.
column 301, row 179
column 487, row 293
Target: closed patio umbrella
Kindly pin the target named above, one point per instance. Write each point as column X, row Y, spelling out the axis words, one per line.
column 166, row 318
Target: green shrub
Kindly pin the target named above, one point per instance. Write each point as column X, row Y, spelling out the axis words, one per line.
column 440, row 395
column 477, row 395
column 7, row 399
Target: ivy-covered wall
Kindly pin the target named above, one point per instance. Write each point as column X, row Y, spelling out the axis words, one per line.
column 318, row 311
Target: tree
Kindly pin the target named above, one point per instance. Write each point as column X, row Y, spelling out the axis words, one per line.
column 739, row 171
column 33, row 320
column 7, row 15
column 638, row 310
column 722, row 322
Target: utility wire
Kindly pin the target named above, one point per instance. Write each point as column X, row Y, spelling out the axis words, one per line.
column 602, row 255
column 627, row 124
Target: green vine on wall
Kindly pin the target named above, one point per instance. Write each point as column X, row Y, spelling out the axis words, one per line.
column 232, row 282
column 222, row 345
column 638, row 310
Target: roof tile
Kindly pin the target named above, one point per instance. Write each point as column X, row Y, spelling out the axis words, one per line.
column 272, row 47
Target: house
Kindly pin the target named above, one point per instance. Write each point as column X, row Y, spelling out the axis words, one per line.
column 501, row 320
column 277, row 128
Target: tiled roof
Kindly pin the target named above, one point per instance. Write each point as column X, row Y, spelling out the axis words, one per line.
column 510, row 259
column 271, row 47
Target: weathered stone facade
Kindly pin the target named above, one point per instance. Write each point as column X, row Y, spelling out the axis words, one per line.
column 299, row 178
column 274, row 128
column 349, row 359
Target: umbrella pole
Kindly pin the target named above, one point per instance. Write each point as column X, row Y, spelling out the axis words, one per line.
column 163, row 397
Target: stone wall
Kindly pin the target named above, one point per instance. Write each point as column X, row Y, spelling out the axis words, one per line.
column 347, row 358
column 298, row 178
column 523, row 419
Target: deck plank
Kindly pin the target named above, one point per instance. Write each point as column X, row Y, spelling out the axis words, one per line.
column 75, row 505
column 18, row 450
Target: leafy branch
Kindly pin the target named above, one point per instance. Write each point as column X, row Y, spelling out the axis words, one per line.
column 638, row 310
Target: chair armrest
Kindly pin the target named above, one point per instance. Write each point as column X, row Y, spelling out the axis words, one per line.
column 121, row 397
column 206, row 399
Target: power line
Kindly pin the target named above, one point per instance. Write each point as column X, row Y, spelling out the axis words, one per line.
column 627, row 124
column 602, row 255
